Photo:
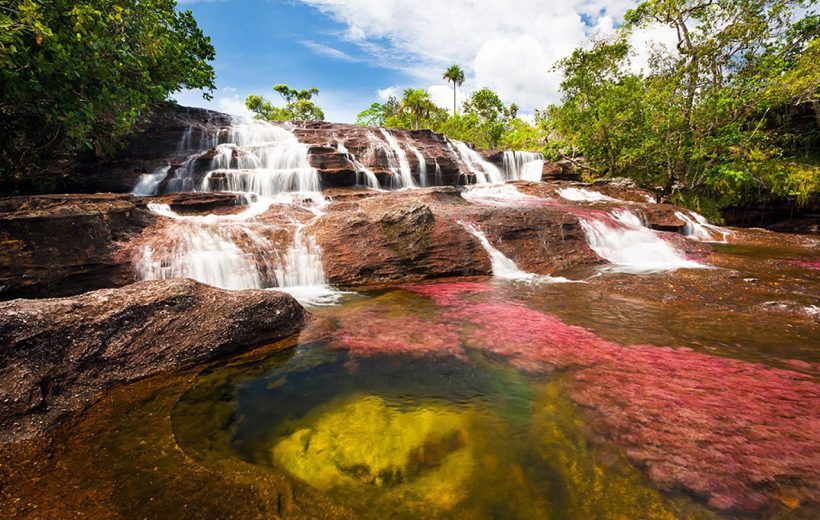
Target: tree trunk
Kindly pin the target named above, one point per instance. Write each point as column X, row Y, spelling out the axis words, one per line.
column 454, row 98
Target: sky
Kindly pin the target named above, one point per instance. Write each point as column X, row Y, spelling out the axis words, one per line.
column 357, row 52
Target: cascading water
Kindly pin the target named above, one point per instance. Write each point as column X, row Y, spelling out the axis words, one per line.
column 365, row 175
column 148, row 183
column 583, row 195
column 422, row 164
column 482, row 170
column 207, row 249
column 269, row 166
column 698, row 228
column 504, row 267
column 526, row 166
column 621, row 238
column 397, row 162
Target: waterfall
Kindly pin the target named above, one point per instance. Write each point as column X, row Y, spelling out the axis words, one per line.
column 397, row 162
column 269, row 166
column 527, row 166
column 422, row 164
column 148, row 183
column 472, row 161
column 504, row 267
column 261, row 158
column 621, row 238
column 698, row 228
column 207, row 249
column 364, row 175
column 583, row 195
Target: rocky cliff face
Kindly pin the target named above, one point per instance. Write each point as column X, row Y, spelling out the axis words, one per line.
column 185, row 138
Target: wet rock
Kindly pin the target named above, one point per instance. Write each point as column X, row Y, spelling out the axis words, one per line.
column 58, row 355
column 384, row 237
column 56, row 245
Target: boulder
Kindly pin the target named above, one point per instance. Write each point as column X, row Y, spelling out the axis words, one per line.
column 58, row 355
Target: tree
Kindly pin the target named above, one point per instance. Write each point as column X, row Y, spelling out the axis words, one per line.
column 717, row 119
column 298, row 105
column 454, row 74
column 77, row 75
column 417, row 103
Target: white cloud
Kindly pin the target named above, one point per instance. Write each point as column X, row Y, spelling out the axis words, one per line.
column 507, row 45
column 328, row 52
column 233, row 105
column 385, row 93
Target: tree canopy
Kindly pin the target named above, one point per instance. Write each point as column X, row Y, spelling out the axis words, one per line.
column 75, row 76
column 717, row 119
column 298, row 105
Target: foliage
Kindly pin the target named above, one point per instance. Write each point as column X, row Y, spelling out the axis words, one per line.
column 716, row 116
column 77, row 75
column 485, row 121
column 298, row 105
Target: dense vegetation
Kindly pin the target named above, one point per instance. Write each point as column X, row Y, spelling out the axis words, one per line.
column 76, row 75
column 730, row 115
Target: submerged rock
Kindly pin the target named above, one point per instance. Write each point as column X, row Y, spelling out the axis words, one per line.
column 58, row 355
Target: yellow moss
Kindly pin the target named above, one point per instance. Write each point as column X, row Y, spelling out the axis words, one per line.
column 362, row 441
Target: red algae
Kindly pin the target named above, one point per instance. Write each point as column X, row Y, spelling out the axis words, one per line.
column 737, row 434
column 808, row 264
column 373, row 331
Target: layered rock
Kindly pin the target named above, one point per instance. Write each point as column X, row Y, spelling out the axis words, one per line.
column 55, row 245
column 58, row 355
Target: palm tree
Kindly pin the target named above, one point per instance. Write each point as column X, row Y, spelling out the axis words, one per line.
column 455, row 74
column 417, row 102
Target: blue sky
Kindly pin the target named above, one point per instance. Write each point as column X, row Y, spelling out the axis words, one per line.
column 360, row 51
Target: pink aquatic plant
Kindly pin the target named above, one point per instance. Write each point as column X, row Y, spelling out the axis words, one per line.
column 374, row 332
column 808, row 264
column 733, row 432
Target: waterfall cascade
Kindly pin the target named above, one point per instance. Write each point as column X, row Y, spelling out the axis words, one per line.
column 269, row 166
column 698, row 228
column 621, row 238
column 504, row 267
column 472, row 161
column 365, row 175
column 397, row 162
column 525, row 166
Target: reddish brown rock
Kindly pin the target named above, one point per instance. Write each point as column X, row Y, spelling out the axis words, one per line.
column 55, row 245
column 377, row 238
column 58, row 355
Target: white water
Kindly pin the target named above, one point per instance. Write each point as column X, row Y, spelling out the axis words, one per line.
column 527, row 166
column 397, row 162
column 148, row 183
column 206, row 249
column 269, row 166
column 482, row 170
column 261, row 158
column 505, row 268
column 500, row 195
column 583, row 195
column 422, row 165
column 365, row 175
column 698, row 228
column 623, row 240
